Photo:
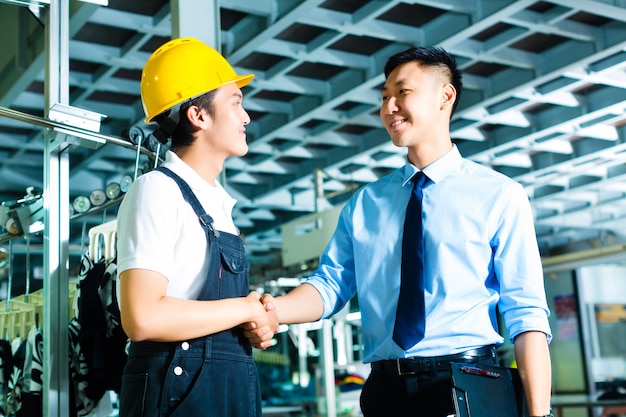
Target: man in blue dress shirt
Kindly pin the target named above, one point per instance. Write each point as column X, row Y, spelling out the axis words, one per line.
column 480, row 251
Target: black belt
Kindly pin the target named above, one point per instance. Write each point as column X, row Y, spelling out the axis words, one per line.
column 423, row 365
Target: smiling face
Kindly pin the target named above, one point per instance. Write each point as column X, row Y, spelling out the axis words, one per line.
column 219, row 132
column 416, row 106
column 229, row 121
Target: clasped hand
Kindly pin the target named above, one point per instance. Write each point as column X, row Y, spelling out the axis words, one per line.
column 261, row 331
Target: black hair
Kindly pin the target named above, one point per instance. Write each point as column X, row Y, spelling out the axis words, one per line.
column 183, row 134
column 430, row 57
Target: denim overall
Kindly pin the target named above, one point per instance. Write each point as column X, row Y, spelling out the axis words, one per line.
column 209, row 376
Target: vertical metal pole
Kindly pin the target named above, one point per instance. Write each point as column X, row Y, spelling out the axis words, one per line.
column 56, row 219
column 10, row 283
column 318, row 187
column 303, row 371
column 56, row 291
column 157, row 152
column 588, row 332
column 326, row 333
column 328, row 363
column 137, row 160
column 27, row 290
column 83, row 234
column 200, row 20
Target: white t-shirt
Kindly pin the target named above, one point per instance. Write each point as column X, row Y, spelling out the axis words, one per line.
column 159, row 231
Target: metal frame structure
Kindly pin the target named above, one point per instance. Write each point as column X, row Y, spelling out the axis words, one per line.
column 544, row 103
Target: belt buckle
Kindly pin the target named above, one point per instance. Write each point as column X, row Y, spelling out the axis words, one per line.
column 415, row 366
column 401, row 372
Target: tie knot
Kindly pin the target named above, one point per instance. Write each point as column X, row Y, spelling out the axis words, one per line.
column 420, row 180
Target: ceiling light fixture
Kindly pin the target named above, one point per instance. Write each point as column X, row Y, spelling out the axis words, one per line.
column 98, row 2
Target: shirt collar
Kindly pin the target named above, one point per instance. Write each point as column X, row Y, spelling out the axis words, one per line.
column 438, row 170
column 187, row 173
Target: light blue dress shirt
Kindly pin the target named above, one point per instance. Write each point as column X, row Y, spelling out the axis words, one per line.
column 480, row 251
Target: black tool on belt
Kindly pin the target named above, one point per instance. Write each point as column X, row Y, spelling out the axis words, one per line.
column 424, row 365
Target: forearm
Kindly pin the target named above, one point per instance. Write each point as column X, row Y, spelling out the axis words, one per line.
column 303, row 304
column 533, row 361
column 174, row 319
column 148, row 313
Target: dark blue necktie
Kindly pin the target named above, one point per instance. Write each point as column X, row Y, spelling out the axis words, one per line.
column 409, row 327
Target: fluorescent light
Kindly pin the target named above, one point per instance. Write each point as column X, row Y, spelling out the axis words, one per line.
column 98, row 2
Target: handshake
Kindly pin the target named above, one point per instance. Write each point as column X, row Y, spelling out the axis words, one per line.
column 303, row 304
column 262, row 327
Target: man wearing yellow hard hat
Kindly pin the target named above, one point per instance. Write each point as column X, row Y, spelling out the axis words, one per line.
column 181, row 262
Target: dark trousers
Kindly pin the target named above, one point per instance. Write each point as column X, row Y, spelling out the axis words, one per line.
column 427, row 394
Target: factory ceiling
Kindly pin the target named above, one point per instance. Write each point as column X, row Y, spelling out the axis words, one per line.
column 544, row 102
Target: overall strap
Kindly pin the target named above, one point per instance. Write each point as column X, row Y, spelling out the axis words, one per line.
column 205, row 219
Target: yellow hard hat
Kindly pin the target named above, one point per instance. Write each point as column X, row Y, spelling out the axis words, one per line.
column 182, row 69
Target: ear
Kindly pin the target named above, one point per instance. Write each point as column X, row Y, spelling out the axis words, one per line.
column 198, row 117
column 448, row 96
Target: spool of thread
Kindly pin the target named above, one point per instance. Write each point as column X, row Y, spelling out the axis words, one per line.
column 13, row 227
column 97, row 197
column 126, row 182
column 81, row 204
column 113, row 190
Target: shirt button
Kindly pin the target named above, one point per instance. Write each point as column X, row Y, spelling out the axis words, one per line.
column 178, row 371
column 185, row 346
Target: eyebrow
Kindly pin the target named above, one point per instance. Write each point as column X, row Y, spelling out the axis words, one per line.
column 402, row 81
